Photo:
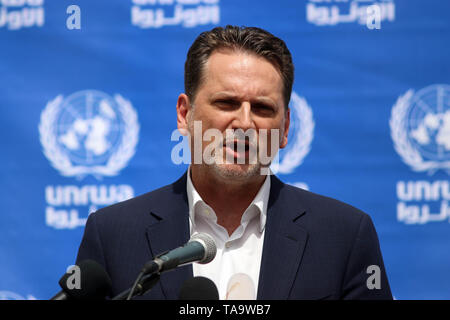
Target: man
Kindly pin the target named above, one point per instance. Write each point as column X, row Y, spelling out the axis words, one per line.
column 289, row 243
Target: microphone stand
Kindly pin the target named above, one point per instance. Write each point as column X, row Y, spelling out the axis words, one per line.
column 146, row 283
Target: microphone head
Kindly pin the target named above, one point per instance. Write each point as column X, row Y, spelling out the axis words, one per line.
column 95, row 283
column 208, row 243
column 240, row 287
column 199, row 288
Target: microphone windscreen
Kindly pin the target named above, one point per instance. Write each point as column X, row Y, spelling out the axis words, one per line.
column 208, row 244
column 199, row 288
column 240, row 287
column 94, row 282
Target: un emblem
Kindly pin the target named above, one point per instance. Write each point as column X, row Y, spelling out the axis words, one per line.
column 420, row 128
column 301, row 134
column 89, row 133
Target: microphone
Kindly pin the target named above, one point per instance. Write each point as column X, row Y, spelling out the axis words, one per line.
column 240, row 287
column 199, row 288
column 95, row 283
column 200, row 248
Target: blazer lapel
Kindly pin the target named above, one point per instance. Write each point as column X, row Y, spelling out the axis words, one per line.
column 284, row 244
column 169, row 230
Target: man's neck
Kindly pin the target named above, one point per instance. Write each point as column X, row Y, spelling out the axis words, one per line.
column 229, row 199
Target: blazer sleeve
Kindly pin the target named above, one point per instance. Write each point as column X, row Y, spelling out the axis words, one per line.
column 91, row 244
column 365, row 276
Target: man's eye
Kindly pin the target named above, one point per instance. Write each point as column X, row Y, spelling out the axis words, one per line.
column 263, row 108
column 227, row 103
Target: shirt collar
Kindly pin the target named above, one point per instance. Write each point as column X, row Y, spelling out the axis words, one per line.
column 260, row 201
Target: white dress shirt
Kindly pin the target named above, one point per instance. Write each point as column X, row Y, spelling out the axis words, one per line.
column 239, row 253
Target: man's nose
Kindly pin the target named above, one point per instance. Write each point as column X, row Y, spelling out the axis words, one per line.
column 244, row 117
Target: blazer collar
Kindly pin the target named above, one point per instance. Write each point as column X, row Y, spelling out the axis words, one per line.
column 284, row 243
column 169, row 229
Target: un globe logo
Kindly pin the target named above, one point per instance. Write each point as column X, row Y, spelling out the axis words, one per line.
column 89, row 132
column 429, row 122
column 301, row 135
column 420, row 128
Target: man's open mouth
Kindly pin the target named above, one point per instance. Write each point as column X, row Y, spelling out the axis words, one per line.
column 239, row 148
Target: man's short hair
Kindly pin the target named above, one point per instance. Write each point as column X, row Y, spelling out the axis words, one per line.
column 249, row 39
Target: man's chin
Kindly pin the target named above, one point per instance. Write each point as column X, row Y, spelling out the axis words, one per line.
column 237, row 172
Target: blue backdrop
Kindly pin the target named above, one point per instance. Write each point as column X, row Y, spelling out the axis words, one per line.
column 88, row 95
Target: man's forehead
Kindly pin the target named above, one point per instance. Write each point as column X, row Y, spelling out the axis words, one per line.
column 232, row 73
column 241, row 62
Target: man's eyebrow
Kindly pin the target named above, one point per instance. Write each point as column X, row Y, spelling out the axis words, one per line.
column 265, row 100
column 224, row 94
column 231, row 95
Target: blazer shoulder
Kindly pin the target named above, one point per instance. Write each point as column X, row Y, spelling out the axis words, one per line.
column 140, row 207
column 322, row 208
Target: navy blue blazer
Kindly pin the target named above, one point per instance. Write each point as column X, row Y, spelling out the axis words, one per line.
column 315, row 247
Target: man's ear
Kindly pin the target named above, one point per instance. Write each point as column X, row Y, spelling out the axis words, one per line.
column 287, row 122
column 183, row 109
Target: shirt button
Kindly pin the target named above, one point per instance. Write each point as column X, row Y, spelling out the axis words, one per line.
column 207, row 212
column 228, row 245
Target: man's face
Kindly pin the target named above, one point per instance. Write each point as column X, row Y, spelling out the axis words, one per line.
column 239, row 90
